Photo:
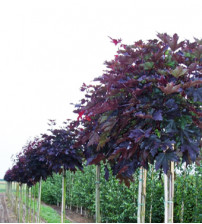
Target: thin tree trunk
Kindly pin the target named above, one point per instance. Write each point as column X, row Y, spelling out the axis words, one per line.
column 8, row 191
column 64, row 180
column 70, row 190
column 39, row 201
column 12, row 196
column 169, row 193
column 142, row 195
column 21, row 205
column 196, row 196
column 34, row 211
column 27, row 204
column 17, row 199
column 151, row 205
column 97, row 201
column 30, row 206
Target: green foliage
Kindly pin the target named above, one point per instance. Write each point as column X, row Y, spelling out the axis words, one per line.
column 187, row 189
column 119, row 203
column 52, row 190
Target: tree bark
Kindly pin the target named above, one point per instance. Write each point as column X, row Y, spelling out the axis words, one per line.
column 17, row 199
column 169, row 194
column 151, row 205
column 39, row 201
column 141, row 195
column 64, row 180
column 21, row 205
column 97, row 200
column 27, row 204
column 196, row 196
column 34, row 211
column 30, row 206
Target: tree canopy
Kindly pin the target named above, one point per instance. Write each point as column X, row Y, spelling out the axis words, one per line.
column 145, row 108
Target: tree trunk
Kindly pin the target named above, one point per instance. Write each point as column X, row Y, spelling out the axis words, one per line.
column 196, row 219
column 39, row 201
column 21, row 205
column 12, row 195
column 151, row 205
column 70, row 190
column 34, row 211
column 8, row 191
column 142, row 195
column 64, row 180
column 27, row 204
column 30, row 206
column 17, row 199
column 169, row 194
column 97, row 201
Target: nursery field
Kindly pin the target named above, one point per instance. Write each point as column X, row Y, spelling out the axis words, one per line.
column 133, row 154
column 119, row 203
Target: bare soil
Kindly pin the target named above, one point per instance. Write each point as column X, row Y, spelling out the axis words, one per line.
column 6, row 213
column 72, row 216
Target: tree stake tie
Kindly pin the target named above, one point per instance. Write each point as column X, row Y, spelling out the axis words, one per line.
column 168, row 202
column 141, row 204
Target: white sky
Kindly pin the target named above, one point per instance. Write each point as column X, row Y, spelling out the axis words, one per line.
column 49, row 48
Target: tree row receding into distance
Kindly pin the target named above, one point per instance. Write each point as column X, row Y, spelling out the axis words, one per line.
column 144, row 109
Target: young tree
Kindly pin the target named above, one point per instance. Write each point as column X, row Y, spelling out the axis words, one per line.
column 146, row 108
column 58, row 151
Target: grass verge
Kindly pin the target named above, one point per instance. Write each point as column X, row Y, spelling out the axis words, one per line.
column 47, row 213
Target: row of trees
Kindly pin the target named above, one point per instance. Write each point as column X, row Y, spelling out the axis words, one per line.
column 145, row 109
column 118, row 203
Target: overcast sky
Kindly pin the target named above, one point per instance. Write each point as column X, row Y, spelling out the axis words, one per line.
column 49, row 48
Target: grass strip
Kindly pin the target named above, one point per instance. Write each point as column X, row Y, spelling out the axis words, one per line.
column 48, row 214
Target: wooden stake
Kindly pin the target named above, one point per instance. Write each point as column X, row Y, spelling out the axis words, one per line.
column 196, row 195
column 21, row 205
column 34, row 211
column 17, row 199
column 30, row 206
column 64, row 180
column 8, row 187
column 27, row 204
column 141, row 195
column 151, row 205
column 97, row 200
column 39, row 201
column 169, row 194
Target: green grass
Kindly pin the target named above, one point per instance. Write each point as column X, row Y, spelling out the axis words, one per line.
column 47, row 213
